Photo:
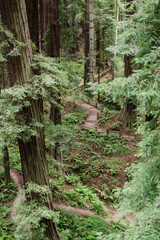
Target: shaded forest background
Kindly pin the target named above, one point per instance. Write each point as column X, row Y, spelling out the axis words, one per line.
column 79, row 118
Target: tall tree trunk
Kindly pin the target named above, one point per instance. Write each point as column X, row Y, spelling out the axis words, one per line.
column 32, row 152
column 116, row 35
column 99, row 49
column 43, row 10
column 6, row 162
column 86, row 38
column 33, row 20
column 128, row 113
column 91, row 42
column 55, row 111
column 54, row 28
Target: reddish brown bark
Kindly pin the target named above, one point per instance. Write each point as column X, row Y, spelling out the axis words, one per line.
column 54, row 48
column 32, row 150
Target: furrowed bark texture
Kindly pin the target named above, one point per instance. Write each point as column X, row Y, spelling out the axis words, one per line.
column 32, row 152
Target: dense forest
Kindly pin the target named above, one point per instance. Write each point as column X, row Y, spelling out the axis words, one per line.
column 80, row 119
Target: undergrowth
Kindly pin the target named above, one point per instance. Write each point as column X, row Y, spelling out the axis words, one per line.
column 73, row 227
column 7, row 194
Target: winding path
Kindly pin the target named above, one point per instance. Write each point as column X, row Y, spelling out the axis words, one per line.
column 90, row 123
column 18, row 180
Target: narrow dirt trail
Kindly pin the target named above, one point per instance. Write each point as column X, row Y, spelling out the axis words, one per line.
column 18, row 180
column 92, row 112
column 112, row 214
column 90, row 123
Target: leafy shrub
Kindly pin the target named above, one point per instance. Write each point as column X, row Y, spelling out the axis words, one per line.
column 77, row 117
column 7, row 227
column 83, row 228
column 72, row 178
column 8, row 192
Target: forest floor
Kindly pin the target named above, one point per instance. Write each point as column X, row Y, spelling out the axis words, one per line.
column 91, row 122
column 116, row 175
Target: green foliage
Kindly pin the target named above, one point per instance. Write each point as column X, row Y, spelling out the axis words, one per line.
column 84, row 228
column 59, row 134
column 139, row 37
column 112, row 144
column 32, row 215
column 81, row 194
column 88, row 227
column 73, row 178
column 77, row 117
column 7, row 227
column 7, row 194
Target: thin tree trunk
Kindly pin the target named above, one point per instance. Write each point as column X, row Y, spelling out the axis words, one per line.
column 99, row 49
column 117, row 22
column 91, row 42
column 86, row 37
column 6, row 165
column 43, row 9
column 6, row 162
column 116, row 35
column 32, row 152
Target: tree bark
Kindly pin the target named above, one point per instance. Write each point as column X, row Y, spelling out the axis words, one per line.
column 43, row 10
column 6, row 165
column 33, row 20
column 116, row 36
column 91, row 42
column 86, row 37
column 55, row 111
column 99, row 48
column 32, row 152
column 54, row 28
column 128, row 113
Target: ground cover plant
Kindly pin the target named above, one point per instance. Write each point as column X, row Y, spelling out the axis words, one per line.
column 7, row 194
column 80, row 119
column 86, row 227
column 92, row 164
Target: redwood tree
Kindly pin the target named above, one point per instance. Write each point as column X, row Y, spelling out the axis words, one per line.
column 128, row 113
column 33, row 20
column 54, row 43
column 43, row 11
column 32, row 150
